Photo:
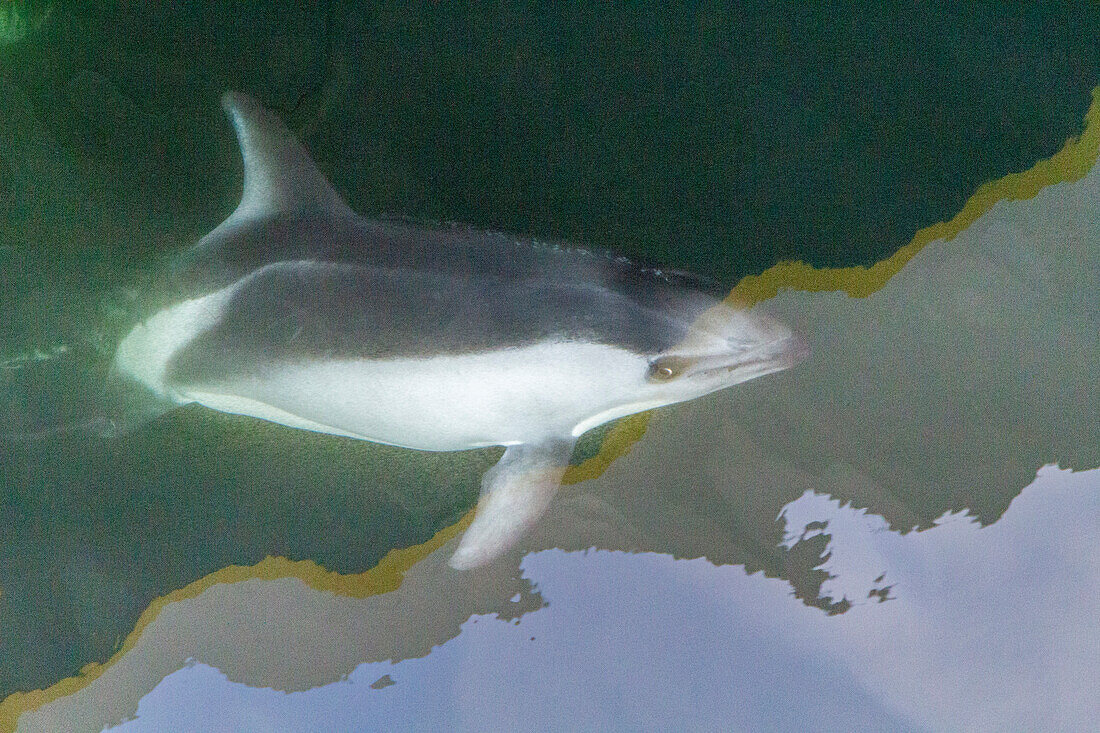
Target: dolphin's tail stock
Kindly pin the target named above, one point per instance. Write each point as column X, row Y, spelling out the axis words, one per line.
column 68, row 390
column 49, row 392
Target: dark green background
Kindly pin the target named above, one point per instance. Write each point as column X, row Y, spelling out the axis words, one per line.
column 713, row 139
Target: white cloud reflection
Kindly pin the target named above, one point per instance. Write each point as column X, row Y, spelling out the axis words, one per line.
column 994, row 628
column 989, row 629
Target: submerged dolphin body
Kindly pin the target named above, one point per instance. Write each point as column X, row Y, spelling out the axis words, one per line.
column 298, row 311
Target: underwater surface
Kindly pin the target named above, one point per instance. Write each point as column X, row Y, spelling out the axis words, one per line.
column 900, row 533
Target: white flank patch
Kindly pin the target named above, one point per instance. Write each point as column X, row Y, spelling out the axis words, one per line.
column 145, row 352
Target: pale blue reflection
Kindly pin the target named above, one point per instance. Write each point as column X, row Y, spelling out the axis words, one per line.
column 994, row 628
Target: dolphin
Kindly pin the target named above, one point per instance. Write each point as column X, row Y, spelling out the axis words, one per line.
column 298, row 311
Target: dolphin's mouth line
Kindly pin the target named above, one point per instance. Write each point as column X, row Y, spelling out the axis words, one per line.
column 781, row 355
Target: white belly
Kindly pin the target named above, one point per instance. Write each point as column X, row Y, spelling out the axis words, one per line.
column 442, row 403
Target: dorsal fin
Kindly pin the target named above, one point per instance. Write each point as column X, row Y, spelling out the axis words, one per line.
column 279, row 176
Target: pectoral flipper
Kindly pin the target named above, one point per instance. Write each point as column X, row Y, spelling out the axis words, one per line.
column 514, row 494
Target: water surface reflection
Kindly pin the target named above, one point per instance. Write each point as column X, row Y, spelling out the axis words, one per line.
column 639, row 641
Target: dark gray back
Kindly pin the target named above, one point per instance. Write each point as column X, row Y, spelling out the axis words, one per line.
column 299, row 311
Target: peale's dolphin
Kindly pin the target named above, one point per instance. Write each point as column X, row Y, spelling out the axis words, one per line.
column 298, row 311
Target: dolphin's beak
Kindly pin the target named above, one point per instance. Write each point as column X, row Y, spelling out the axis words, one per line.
column 734, row 344
column 763, row 358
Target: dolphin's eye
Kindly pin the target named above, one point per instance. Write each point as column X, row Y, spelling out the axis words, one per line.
column 666, row 368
